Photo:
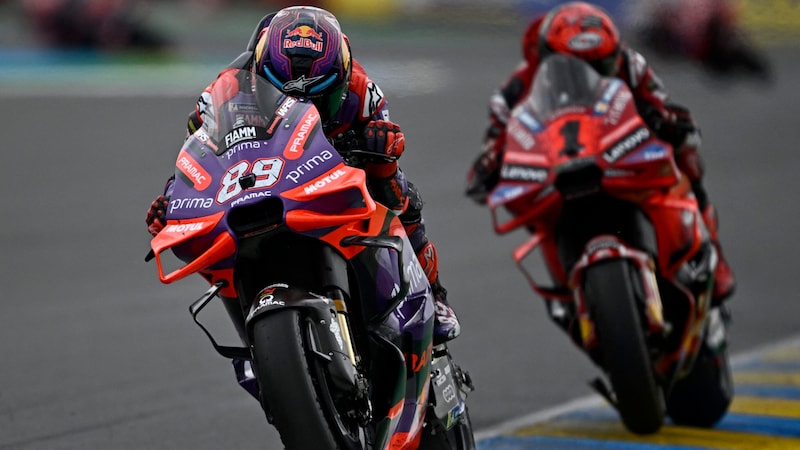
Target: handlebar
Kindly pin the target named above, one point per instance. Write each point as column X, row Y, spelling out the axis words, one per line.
column 350, row 144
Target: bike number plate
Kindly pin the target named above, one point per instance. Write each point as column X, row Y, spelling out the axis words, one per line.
column 448, row 405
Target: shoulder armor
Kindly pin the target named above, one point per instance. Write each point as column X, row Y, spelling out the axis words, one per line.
column 370, row 95
column 636, row 66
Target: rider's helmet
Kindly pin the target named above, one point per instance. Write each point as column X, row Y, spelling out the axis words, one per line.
column 304, row 53
column 582, row 30
column 530, row 42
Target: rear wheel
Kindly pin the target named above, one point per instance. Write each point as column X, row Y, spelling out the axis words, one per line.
column 702, row 397
column 613, row 306
column 459, row 437
column 295, row 393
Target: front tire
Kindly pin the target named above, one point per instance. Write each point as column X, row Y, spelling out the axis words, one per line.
column 295, row 394
column 614, row 307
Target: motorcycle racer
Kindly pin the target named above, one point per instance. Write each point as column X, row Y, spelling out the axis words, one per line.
column 586, row 31
column 709, row 32
column 302, row 51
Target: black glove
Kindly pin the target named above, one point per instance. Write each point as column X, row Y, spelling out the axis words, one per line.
column 672, row 124
column 483, row 177
column 677, row 125
column 157, row 215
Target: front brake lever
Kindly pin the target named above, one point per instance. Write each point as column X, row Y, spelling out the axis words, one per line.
column 371, row 156
column 348, row 143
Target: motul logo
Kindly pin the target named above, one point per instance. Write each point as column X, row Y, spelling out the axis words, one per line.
column 324, row 181
column 183, row 228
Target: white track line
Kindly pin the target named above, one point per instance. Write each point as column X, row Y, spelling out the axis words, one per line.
column 594, row 400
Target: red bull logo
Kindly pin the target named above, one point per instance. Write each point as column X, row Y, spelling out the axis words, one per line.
column 304, row 31
column 303, row 37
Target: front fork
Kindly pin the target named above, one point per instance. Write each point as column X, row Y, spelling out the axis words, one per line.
column 329, row 336
column 609, row 247
column 327, row 329
column 343, row 319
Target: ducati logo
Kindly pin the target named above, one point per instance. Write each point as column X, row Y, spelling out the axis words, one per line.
column 300, row 84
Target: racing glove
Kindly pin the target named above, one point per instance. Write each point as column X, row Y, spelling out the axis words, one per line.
column 384, row 138
column 157, row 215
column 676, row 124
column 485, row 171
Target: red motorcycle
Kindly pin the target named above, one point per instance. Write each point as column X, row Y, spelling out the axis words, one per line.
column 622, row 239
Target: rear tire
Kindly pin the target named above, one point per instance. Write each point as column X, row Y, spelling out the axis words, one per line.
column 459, row 437
column 702, row 397
column 291, row 385
column 613, row 306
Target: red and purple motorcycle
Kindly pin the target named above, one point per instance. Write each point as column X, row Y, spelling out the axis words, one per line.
column 628, row 257
column 334, row 312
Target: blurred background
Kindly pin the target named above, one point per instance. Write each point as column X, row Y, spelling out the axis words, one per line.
column 120, row 39
column 96, row 353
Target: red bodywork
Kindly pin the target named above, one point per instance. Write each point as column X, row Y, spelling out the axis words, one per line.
column 605, row 140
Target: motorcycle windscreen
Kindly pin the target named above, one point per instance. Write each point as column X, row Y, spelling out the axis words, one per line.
column 562, row 81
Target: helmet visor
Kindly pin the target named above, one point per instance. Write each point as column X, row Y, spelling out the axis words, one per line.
column 329, row 104
column 607, row 66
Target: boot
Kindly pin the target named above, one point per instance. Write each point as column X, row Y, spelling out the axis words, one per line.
column 724, row 282
column 446, row 326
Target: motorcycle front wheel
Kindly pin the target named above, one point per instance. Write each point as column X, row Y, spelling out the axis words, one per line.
column 295, row 393
column 614, row 306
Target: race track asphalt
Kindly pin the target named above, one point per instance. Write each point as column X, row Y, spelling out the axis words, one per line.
column 96, row 353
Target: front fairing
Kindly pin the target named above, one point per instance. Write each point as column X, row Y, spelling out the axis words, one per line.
column 575, row 134
column 256, row 143
column 258, row 147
